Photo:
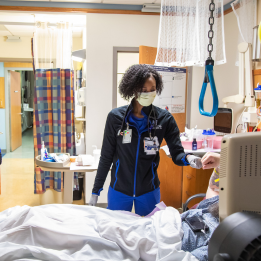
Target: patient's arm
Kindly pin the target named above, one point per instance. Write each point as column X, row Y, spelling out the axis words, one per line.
column 213, row 186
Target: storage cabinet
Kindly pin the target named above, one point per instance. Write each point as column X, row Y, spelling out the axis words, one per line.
column 194, row 181
column 2, row 93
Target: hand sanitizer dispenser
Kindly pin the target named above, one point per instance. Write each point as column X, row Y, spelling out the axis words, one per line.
column 96, row 154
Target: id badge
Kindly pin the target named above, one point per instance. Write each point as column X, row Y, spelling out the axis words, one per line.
column 151, row 146
column 127, row 134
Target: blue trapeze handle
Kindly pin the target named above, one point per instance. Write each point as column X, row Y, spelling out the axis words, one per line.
column 209, row 73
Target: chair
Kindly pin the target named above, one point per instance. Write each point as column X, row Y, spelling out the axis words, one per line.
column 185, row 205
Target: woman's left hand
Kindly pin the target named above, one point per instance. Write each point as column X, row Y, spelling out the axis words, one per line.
column 195, row 162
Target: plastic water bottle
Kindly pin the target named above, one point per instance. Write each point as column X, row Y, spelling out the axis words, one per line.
column 210, row 139
column 42, row 151
column 204, row 144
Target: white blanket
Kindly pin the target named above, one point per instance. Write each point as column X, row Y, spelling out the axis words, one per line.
column 72, row 232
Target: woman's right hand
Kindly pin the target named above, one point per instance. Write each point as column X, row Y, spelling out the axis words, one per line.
column 93, row 200
column 210, row 160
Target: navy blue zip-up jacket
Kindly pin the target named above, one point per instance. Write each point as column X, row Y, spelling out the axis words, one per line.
column 133, row 172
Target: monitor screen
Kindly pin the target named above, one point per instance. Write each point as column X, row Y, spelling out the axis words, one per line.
column 223, row 120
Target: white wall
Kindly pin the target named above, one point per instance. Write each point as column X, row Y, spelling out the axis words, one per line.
column 226, row 79
column 104, row 31
column 15, row 49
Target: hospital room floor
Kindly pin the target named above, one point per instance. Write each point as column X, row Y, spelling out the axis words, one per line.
column 26, row 151
column 17, row 176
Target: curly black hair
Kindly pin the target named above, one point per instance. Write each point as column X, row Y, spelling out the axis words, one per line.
column 134, row 78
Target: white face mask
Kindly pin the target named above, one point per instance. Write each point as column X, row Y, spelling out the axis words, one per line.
column 146, row 98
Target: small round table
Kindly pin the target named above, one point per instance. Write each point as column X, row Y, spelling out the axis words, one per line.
column 69, row 178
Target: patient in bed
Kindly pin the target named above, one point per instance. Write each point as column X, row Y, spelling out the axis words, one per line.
column 73, row 232
column 207, row 210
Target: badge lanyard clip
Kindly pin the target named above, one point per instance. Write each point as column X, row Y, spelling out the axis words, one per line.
column 150, row 127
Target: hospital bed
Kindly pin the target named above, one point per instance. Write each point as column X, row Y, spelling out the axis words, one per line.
column 71, row 232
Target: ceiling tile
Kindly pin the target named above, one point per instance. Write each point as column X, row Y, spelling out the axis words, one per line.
column 2, row 27
column 17, row 18
column 5, row 33
column 21, row 28
column 22, row 33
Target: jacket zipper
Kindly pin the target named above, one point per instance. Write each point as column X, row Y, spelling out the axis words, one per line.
column 137, row 156
column 153, row 165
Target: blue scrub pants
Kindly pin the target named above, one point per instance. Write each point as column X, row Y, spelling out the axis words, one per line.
column 144, row 204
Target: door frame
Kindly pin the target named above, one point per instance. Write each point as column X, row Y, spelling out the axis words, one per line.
column 7, row 102
column 116, row 50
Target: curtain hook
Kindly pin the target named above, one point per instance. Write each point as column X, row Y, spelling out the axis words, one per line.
column 38, row 24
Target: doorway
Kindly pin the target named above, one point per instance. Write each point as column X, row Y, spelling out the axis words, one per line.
column 20, row 113
column 123, row 58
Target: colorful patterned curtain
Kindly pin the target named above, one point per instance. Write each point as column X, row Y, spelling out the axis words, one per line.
column 53, row 122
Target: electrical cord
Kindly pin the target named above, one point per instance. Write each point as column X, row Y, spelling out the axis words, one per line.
column 256, row 126
column 238, row 126
column 239, row 119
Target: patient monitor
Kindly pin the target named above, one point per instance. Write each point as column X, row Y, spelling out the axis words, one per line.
column 240, row 174
column 238, row 236
column 223, row 120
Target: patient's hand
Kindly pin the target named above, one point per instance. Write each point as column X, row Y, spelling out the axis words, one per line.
column 210, row 160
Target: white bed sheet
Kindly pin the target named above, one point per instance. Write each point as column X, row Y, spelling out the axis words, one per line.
column 72, row 232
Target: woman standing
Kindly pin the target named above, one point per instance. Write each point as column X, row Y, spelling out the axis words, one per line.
column 131, row 142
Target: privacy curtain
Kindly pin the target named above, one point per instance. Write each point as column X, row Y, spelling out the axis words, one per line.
column 53, row 121
column 245, row 12
column 53, row 99
column 183, row 33
column 53, row 46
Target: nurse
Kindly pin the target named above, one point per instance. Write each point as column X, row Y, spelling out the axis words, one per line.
column 131, row 142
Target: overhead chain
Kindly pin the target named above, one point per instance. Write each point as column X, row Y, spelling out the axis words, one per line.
column 211, row 32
